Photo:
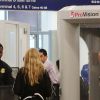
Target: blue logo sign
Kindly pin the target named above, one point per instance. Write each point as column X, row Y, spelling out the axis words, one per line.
column 53, row 5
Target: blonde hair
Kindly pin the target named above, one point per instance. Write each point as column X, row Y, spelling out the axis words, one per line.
column 33, row 67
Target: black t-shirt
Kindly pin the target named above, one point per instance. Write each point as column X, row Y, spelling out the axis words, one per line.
column 5, row 74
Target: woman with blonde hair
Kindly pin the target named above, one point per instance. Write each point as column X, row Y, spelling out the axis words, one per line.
column 32, row 77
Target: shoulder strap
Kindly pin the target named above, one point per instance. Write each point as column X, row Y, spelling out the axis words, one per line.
column 28, row 97
column 35, row 94
column 38, row 94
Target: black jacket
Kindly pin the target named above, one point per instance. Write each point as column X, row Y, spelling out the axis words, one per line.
column 83, row 90
column 23, row 90
column 5, row 74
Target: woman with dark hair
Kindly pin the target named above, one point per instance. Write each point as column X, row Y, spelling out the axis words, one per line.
column 32, row 78
column 57, row 64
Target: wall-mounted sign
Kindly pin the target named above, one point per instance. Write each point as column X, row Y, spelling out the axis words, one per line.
column 77, row 14
column 43, row 4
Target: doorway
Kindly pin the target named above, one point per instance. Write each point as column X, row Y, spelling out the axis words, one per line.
column 71, row 25
column 92, row 39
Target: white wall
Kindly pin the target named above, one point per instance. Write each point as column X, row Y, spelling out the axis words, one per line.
column 69, row 57
column 15, row 40
column 84, row 59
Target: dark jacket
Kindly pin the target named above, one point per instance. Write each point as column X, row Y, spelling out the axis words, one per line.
column 22, row 89
column 5, row 74
column 83, row 90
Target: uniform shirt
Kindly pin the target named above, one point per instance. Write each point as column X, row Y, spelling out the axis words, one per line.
column 52, row 71
column 5, row 74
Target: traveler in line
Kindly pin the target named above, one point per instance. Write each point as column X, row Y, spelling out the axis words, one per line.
column 32, row 77
column 52, row 71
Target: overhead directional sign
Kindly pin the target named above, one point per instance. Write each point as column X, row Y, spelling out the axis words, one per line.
column 43, row 4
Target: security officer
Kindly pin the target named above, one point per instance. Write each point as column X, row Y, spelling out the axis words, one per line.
column 5, row 71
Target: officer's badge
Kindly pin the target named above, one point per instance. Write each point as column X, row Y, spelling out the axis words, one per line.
column 2, row 70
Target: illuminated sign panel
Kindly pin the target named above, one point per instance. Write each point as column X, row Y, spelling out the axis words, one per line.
column 53, row 5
